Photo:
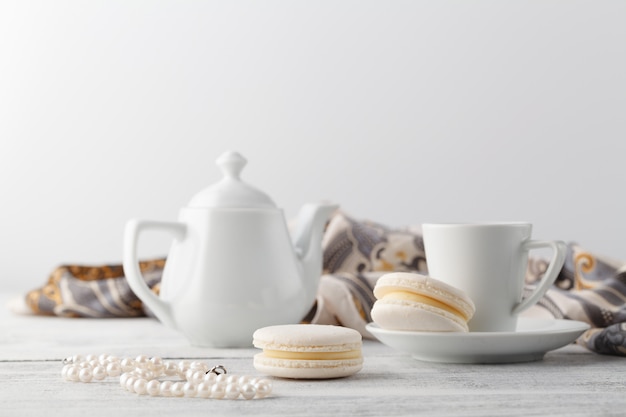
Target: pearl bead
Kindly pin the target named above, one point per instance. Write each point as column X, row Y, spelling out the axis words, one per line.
column 166, row 388
column 127, row 365
column 196, row 377
column 85, row 375
column 130, row 382
column 72, row 373
column 64, row 371
column 221, row 378
column 189, row 389
column 123, row 378
column 140, row 386
column 198, row 366
column 113, row 369
column 218, row 391
column 153, row 387
column 232, row 391
column 209, row 378
column 142, row 362
column 170, row 368
column 99, row 373
column 177, row 389
column 189, row 373
column 144, row 373
column 156, row 365
column 203, row 390
column 90, row 358
column 182, row 367
column 263, row 388
column 77, row 358
column 248, row 391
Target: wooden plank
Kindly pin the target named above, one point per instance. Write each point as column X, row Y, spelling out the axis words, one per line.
column 569, row 381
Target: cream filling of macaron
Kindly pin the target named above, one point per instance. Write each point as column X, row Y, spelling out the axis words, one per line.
column 418, row 298
column 308, row 356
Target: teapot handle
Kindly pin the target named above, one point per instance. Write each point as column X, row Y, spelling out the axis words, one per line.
column 160, row 308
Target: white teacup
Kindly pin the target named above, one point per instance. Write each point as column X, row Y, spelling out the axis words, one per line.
column 488, row 261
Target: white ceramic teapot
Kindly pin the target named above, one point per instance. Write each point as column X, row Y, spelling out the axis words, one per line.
column 232, row 267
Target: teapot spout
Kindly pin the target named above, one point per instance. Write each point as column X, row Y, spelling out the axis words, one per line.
column 308, row 244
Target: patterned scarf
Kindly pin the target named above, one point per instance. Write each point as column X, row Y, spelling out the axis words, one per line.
column 589, row 288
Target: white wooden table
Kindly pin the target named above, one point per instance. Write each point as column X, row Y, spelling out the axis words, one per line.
column 568, row 382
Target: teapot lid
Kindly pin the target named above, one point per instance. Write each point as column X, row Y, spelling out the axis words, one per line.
column 231, row 192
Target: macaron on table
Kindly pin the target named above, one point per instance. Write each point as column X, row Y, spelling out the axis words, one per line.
column 308, row 351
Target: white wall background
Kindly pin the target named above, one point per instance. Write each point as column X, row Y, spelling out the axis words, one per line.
column 401, row 111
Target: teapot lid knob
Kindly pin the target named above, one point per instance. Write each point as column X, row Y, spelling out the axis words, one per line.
column 231, row 163
column 231, row 191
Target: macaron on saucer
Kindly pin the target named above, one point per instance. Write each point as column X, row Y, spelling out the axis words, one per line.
column 428, row 319
column 308, row 351
column 409, row 301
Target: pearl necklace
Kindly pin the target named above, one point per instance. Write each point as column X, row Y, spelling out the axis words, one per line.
column 140, row 375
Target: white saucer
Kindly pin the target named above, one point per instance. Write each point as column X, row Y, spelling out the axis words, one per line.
column 530, row 342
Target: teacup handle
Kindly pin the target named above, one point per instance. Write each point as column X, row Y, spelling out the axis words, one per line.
column 160, row 308
column 556, row 263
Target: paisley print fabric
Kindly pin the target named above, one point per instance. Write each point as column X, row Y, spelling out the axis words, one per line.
column 92, row 291
column 589, row 288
